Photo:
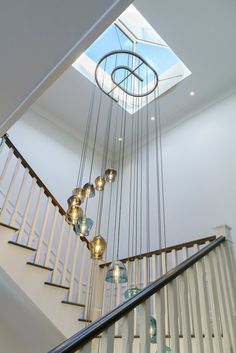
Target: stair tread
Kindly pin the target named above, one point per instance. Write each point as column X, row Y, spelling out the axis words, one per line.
column 40, row 266
column 73, row 303
column 21, row 245
column 8, row 226
column 56, row 285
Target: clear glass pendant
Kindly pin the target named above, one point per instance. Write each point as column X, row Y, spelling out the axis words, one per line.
column 83, row 226
column 131, row 292
column 80, row 193
column 73, row 214
column 100, row 183
column 117, row 273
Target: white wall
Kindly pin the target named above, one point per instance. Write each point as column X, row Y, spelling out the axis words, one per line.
column 199, row 171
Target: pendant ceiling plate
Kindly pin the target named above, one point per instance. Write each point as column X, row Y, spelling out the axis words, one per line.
column 135, row 65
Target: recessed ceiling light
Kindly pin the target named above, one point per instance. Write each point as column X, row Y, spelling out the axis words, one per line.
column 120, row 139
column 152, row 118
column 192, row 93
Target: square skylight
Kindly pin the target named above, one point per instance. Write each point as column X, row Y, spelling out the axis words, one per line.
column 132, row 33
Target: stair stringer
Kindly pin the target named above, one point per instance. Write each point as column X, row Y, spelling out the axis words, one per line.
column 31, row 280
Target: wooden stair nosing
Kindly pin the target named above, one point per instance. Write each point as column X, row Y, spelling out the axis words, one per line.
column 21, row 245
column 8, row 226
column 73, row 303
column 56, row 285
column 39, row 266
column 84, row 320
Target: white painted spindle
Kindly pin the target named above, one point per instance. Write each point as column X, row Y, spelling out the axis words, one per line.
column 107, row 340
column 51, row 238
column 73, row 269
column 144, row 330
column 58, row 251
column 128, row 333
column 6, row 165
column 184, row 304
column 35, row 218
column 160, row 316
column 26, row 211
column 81, row 273
column 204, row 303
column 19, row 197
column 43, row 232
column 174, row 328
column 10, row 189
column 67, row 256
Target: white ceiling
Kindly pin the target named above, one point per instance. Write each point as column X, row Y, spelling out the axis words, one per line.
column 201, row 33
column 39, row 40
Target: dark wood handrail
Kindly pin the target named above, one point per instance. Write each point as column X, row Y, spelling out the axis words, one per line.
column 84, row 336
column 33, row 174
column 176, row 247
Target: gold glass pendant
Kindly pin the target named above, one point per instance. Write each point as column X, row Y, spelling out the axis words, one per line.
column 73, row 201
column 73, row 214
column 110, row 175
column 97, row 247
column 89, row 190
column 80, row 193
column 100, row 183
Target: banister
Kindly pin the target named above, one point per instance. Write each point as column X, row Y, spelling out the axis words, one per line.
column 78, row 340
column 39, row 182
column 180, row 246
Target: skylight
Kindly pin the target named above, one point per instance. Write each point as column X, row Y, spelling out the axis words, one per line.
column 132, row 32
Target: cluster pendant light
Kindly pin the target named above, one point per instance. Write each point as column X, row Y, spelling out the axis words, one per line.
column 135, row 87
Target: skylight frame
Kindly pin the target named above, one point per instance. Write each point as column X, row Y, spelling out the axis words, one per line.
column 175, row 73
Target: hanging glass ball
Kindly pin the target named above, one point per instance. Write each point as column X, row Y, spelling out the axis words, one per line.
column 117, row 273
column 131, row 292
column 73, row 201
column 100, row 183
column 89, row 190
column 73, row 214
column 97, row 247
column 153, row 330
column 80, row 193
column 83, row 226
column 110, row 175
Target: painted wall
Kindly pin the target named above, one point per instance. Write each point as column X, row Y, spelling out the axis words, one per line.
column 199, row 171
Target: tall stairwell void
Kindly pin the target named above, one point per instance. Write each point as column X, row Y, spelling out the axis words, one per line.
column 51, row 290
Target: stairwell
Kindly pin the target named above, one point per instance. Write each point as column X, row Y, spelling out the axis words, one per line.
column 51, row 290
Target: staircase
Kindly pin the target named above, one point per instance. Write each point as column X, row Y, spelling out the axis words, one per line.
column 54, row 290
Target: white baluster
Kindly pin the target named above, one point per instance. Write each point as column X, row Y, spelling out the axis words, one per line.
column 145, row 271
column 107, row 340
column 164, row 269
column 35, row 218
column 174, row 329
column 58, row 251
column 26, row 211
column 196, row 308
column 160, row 315
column 7, row 162
column 18, row 200
column 2, row 144
column 43, row 232
column 10, row 189
column 88, row 290
column 81, row 273
column 73, row 270
column 51, row 237
column 184, row 304
column 185, row 256
column 136, row 271
column 128, row 333
column 66, row 261
column 214, row 304
column 105, row 287
column 228, row 321
column 145, row 327
column 174, row 264
column 204, row 303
